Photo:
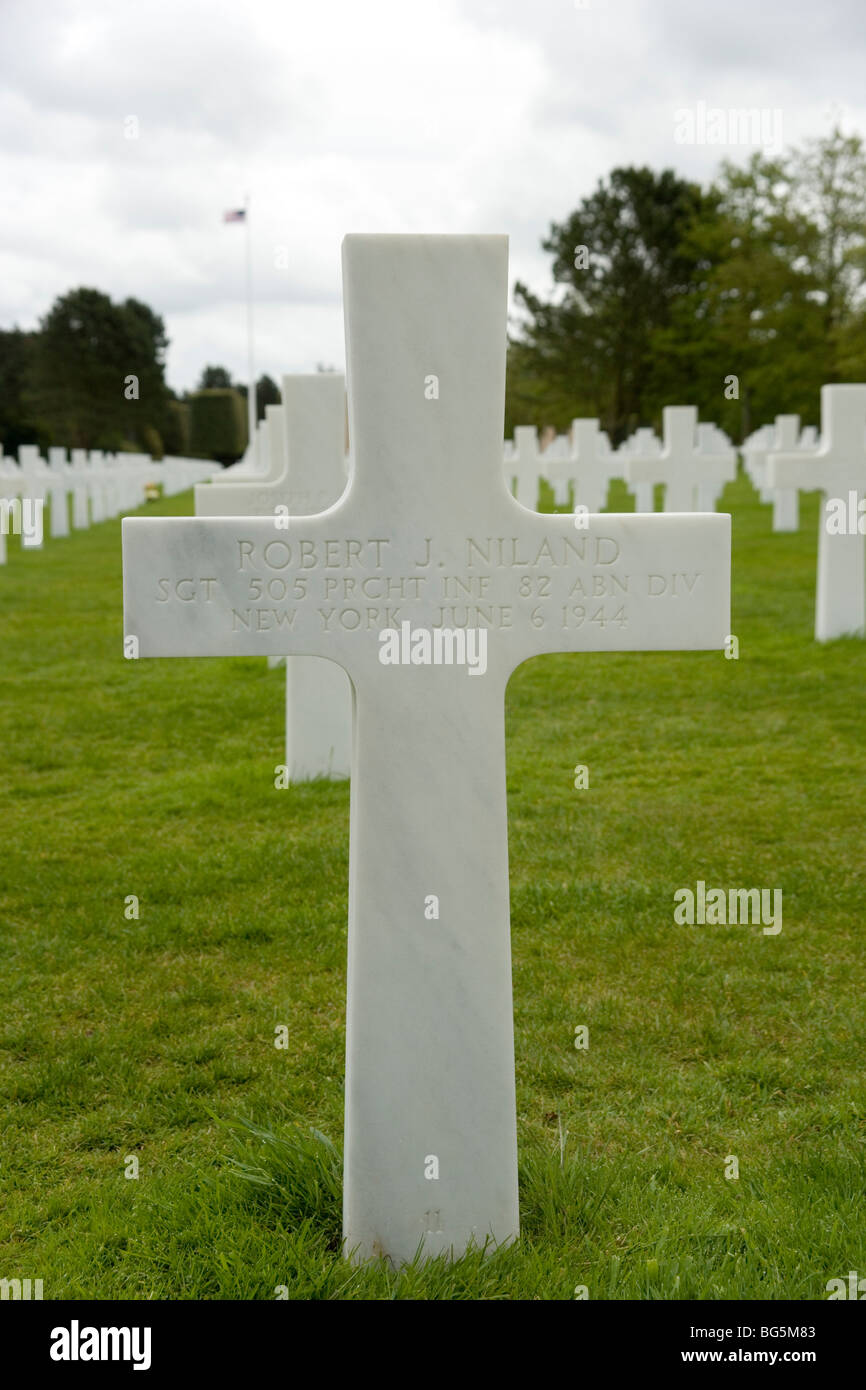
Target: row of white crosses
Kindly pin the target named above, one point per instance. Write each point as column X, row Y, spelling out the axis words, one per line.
column 430, row 1124
column 644, row 443
column 317, row 701
column 33, row 481
column 100, row 486
column 579, row 466
column 693, row 462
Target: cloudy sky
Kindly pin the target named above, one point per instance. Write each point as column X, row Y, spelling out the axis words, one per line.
column 357, row 115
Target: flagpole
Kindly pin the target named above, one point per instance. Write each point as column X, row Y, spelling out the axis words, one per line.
column 251, row 376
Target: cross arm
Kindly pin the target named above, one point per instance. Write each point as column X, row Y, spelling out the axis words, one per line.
column 645, row 468
column 655, row 582
column 716, row 468
column 795, row 470
column 332, row 584
column 243, row 586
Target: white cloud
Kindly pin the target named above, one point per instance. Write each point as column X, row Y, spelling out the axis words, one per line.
column 485, row 115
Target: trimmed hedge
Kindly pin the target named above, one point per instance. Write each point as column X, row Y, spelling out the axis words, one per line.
column 218, row 425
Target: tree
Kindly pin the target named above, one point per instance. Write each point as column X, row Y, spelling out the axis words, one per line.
column 215, row 379
column 667, row 293
column 17, row 426
column 267, row 393
column 619, row 263
column 96, row 378
column 829, row 175
column 779, row 302
column 751, row 311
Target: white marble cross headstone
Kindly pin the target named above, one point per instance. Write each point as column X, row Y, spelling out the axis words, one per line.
column 681, row 466
column 304, row 447
column 644, row 443
column 304, row 439
column 462, row 585
column 559, row 469
column 256, row 494
column 786, row 500
column 101, row 501
column 80, row 495
column 37, row 481
column 595, row 464
column 780, row 437
column 58, row 486
column 674, row 466
column 718, row 466
column 318, row 693
column 837, row 467
column 754, row 449
column 10, row 488
column 525, row 466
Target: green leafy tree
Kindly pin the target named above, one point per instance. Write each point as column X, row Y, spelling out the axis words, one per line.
column 829, row 176
column 177, row 436
column 96, row 377
column 743, row 299
column 619, row 263
column 17, row 425
column 267, row 393
column 215, row 379
column 780, row 300
column 745, row 342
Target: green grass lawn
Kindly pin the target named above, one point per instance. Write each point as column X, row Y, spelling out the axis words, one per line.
column 155, row 1037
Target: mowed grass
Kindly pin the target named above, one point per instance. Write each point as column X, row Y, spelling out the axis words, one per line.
column 155, row 1037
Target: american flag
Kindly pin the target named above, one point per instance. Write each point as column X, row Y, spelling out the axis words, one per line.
column 236, row 215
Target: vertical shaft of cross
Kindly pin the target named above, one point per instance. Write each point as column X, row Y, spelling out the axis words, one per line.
column 318, row 697
column 786, row 500
column 840, row 606
column 680, row 424
column 429, row 1055
column 430, row 1107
